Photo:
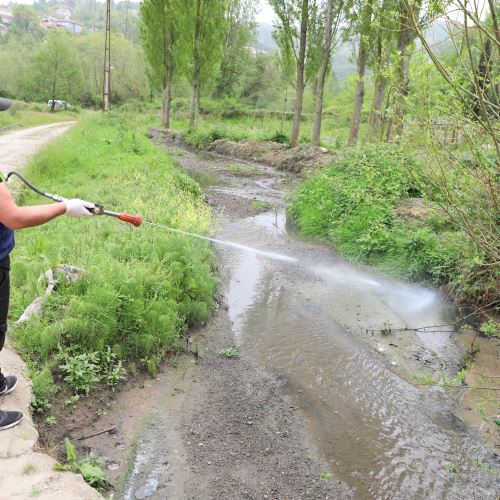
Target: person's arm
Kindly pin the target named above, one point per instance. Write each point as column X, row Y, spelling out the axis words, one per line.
column 15, row 217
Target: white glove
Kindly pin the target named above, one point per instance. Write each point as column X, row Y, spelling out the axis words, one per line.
column 78, row 208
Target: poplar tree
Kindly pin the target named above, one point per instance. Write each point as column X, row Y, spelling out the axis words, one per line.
column 409, row 20
column 333, row 10
column 363, row 16
column 298, row 34
column 206, row 33
column 240, row 31
column 162, row 24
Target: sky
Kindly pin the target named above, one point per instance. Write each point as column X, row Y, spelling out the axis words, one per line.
column 265, row 14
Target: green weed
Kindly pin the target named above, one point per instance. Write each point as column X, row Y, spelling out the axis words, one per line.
column 29, row 469
column 230, row 353
column 490, row 328
column 238, row 168
column 51, row 421
column 326, row 476
column 90, row 467
column 352, row 204
column 257, row 205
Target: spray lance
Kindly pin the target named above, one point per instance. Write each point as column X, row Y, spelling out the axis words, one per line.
column 135, row 220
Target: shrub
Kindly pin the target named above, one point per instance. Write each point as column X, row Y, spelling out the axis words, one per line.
column 351, row 204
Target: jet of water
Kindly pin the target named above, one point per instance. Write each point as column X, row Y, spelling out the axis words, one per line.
column 232, row 244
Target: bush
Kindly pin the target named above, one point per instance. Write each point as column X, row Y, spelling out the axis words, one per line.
column 352, row 204
column 202, row 138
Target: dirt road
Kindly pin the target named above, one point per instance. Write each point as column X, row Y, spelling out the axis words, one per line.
column 17, row 147
column 318, row 404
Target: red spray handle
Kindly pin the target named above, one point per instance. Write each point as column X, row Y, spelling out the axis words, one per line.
column 135, row 220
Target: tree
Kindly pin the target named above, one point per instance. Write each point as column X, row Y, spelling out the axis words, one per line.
column 55, row 72
column 332, row 16
column 298, row 35
column 382, row 48
column 161, row 28
column 408, row 15
column 207, row 39
column 25, row 20
column 129, row 68
column 364, row 14
column 239, row 33
column 466, row 178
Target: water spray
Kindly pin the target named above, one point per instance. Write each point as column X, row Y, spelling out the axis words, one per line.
column 136, row 220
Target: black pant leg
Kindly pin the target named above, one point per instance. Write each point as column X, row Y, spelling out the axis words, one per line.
column 4, row 303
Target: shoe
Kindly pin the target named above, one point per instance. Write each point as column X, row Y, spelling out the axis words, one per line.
column 9, row 419
column 9, row 384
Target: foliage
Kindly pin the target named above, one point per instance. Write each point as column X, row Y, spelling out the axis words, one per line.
column 230, row 353
column 352, row 204
column 55, row 73
column 142, row 287
column 90, row 467
column 163, row 23
column 239, row 35
column 490, row 328
column 206, row 37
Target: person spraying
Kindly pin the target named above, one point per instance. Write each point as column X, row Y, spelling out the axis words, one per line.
column 13, row 218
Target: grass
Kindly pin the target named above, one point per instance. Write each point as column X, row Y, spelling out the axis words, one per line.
column 30, row 115
column 143, row 287
column 239, row 169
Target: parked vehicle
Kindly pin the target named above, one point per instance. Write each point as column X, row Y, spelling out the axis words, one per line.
column 59, row 105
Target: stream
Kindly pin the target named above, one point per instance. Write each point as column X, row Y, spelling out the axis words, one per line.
column 316, row 324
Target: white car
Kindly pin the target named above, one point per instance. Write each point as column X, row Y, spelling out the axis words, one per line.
column 58, row 104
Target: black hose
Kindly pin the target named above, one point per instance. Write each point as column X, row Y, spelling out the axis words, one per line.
column 34, row 188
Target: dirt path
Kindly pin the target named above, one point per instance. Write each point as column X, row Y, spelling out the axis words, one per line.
column 25, row 472
column 17, row 147
column 318, row 404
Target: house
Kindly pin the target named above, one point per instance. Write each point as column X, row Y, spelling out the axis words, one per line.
column 6, row 16
column 68, row 24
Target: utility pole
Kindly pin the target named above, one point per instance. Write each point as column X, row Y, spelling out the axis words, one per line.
column 106, row 98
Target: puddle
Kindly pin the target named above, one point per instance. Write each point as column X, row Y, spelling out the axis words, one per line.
column 205, row 180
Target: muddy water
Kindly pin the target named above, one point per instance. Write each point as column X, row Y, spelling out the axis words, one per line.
column 315, row 324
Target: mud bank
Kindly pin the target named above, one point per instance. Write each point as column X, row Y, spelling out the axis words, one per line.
column 273, row 154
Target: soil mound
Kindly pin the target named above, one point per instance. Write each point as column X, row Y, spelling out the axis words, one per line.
column 275, row 154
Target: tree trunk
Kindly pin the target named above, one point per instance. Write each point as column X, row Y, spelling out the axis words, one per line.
column 167, row 98
column 375, row 121
column 405, row 38
column 299, row 94
column 359, row 96
column 195, row 97
column 323, row 70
